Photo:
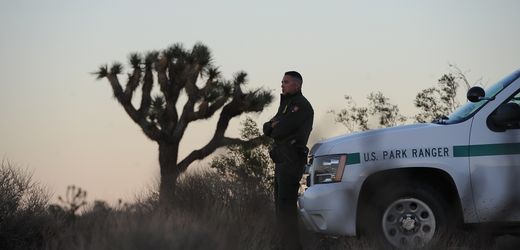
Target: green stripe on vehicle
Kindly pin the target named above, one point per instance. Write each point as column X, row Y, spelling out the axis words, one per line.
column 460, row 151
column 353, row 158
column 486, row 149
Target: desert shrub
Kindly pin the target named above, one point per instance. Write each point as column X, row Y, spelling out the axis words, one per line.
column 209, row 213
column 248, row 166
column 239, row 209
column 23, row 217
column 208, row 190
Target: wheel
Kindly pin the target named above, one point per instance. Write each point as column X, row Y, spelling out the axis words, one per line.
column 408, row 216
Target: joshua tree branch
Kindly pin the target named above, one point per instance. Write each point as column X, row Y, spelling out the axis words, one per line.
column 188, row 114
column 146, row 99
column 133, row 83
column 229, row 111
column 210, row 82
column 191, row 83
column 170, row 115
column 212, row 146
column 118, row 93
column 176, row 83
column 205, row 113
column 162, row 78
column 186, row 117
column 149, row 129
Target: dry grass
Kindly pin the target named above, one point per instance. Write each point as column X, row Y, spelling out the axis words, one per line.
column 209, row 213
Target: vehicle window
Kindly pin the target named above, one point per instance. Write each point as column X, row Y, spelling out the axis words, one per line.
column 513, row 111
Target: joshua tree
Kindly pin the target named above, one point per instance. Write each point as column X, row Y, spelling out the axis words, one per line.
column 74, row 200
column 190, row 72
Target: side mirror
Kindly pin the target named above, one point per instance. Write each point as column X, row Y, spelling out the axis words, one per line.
column 475, row 94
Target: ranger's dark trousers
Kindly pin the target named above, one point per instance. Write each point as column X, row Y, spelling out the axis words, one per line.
column 288, row 174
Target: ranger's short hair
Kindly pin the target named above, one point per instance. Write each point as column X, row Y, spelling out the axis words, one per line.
column 295, row 75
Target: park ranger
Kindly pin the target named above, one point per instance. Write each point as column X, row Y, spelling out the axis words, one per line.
column 290, row 129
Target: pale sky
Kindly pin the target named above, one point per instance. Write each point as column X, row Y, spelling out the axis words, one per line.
column 59, row 122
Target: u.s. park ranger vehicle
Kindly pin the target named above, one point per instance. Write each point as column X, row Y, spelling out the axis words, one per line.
column 408, row 186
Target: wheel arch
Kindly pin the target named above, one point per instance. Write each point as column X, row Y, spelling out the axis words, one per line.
column 437, row 179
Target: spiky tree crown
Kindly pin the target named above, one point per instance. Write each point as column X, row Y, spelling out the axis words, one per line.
column 177, row 70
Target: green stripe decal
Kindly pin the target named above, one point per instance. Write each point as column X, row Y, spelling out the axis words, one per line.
column 486, row 149
column 353, row 159
column 460, row 151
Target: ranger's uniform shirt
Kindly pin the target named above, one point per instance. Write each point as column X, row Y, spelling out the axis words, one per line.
column 295, row 117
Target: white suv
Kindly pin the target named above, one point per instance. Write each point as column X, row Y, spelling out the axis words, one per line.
column 408, row 186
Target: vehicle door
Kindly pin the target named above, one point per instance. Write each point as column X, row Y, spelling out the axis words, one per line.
column 494, row 157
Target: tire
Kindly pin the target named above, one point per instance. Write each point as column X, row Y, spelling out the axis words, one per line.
column 408, row 216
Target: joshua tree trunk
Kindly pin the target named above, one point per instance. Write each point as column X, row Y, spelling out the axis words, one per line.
column 177, row 69
column 169, row 172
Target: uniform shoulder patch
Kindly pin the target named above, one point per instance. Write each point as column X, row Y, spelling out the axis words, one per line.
column 295, row 109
